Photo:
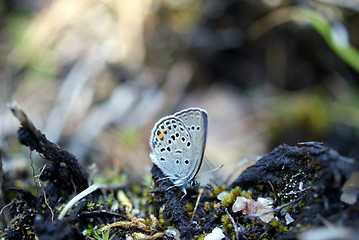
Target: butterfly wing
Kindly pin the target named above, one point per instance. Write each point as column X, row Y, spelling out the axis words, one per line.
column 172, row 149
column 196, row 122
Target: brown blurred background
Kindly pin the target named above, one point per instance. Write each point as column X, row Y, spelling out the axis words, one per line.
column 95, row 76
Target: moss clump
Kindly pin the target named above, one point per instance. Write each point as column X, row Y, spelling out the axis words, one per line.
column 201, row 237
column 227, row 224
column 217, row 190
column 91, row 206
column 207, row 207
column 274, row 223
column 229, row 200
column 233, row 194
column 225, row 219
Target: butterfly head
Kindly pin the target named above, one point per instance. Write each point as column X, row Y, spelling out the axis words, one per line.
column 193, row 183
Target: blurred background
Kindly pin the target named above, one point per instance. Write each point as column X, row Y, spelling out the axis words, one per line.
column 95, row 75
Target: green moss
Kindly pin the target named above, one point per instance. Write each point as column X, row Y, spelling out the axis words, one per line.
column 229, row 200
column 88, row 232
column 161, row 212
column 162, row 220
column 274, row 223
column 135, row 189
column 102, row 235
column 109, row 201
column 148, row 221
column 147, row 195
column 150, row 208
column 201, row 237
column 207, row 207
column 217, row 206
column 91, row 206
column 217, row 190
column 233, row 194
column 147, row 180
column 225, row 219
column 248, row 194
column 237, row 191
column 260, row 187
column 302, row 203
column 189, row 207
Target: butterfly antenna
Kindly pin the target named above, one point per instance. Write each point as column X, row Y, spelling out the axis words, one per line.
column 215, row 169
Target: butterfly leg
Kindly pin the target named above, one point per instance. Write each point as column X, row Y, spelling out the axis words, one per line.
column 171, row 187
column 183, row 190
column 184, row 193
column 162, row 179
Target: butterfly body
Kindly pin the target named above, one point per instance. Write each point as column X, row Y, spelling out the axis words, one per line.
column 177, row 143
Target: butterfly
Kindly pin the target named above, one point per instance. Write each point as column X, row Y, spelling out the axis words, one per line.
column 178, row 142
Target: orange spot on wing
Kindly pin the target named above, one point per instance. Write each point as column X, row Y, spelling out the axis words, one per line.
column 160, row 136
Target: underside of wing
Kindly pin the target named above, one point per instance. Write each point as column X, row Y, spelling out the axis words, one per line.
column 172, row 148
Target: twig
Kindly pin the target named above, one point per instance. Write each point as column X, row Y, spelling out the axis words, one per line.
column 23, row 119
column 197, row 202
column 234, row 224
column 43, row 190
column 275, row 194
column 3, row 208
column 29, row 136
column 262, row 235
column 77, row 198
